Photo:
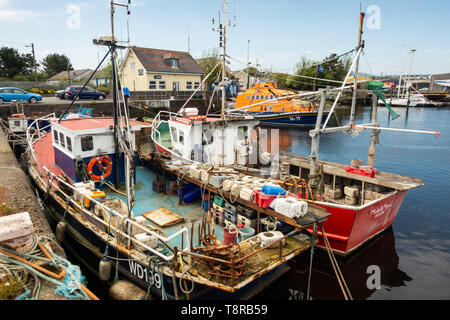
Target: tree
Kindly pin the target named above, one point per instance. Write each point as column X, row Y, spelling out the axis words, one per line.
column 54, row 63
column 13, row 63
column 209, row 60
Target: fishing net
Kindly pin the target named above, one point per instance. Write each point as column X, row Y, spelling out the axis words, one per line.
column 377, row 88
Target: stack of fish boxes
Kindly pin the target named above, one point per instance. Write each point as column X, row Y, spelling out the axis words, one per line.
column 230, row 213
column 246, row 216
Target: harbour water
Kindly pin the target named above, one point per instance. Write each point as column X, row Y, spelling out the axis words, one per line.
column 414, row 256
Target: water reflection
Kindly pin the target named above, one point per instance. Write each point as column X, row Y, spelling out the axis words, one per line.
column 324, row 284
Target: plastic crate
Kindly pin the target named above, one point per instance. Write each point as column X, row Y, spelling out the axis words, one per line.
column 230, row 217
column 232, row 213
column 218, row 208
column 261, row 199
column 219, row 200
column 247, row 212
column 246, row 222
column 230, row 207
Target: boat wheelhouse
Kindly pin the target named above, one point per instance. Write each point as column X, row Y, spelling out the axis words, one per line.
column 203, row 139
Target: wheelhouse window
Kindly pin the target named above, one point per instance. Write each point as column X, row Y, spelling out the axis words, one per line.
column 61, row 140
column 189, row 85
column 162, row 84
column 208, row 137
column 55, row 136
column 16, row 123
column 248, row 97
column 181, row 137
column 87, row 143
column 152, row 85
column 257, row 97
column 242, row 132
column 174, row 134
column 69, row 144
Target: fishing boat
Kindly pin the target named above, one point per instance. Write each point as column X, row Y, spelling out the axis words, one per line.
column 362, row 201
column 110, row 209
column 274, row 107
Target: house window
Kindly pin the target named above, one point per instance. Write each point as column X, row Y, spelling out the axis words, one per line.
column 61, row 140
column 133, row 66
column 189, row 85
column 162, row 84
column 55, row 136
column 152, row 84
column 141, row 72
column 196, row 85
column 173, row 63
column 87, row 143
column 69, row 144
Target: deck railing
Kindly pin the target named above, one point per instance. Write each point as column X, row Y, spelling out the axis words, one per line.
column 183, row 231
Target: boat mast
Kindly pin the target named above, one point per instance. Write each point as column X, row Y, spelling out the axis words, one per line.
column 401, row 71
column 223, row 44
column 355, row 81
column 116, row 141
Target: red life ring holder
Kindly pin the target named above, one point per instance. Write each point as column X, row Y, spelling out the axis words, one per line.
column 104, row 163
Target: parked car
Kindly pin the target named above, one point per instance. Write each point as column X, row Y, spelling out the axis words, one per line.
column 60, row 93
column 10, row 93
column 87, row 93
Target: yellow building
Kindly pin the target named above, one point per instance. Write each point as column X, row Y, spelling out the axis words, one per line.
column 146, row 69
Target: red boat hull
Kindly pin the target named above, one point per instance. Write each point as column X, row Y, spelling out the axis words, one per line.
column 348, row 228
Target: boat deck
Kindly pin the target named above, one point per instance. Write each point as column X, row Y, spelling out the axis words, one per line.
column 385, row 179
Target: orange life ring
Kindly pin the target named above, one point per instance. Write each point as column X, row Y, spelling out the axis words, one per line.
column 104, row 163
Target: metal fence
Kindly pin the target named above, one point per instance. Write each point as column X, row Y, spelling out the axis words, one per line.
column 166, row 95
column 42, row 85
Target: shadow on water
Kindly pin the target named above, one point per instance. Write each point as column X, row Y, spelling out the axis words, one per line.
column 324, row 284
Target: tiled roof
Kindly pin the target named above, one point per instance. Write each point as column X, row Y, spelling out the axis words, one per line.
column 157, row 60
column 80, row 74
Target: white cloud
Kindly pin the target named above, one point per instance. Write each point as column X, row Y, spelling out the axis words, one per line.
column 137, row 3
column 16, row 15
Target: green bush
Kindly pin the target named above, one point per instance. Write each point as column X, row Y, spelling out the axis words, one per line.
column 104, row 89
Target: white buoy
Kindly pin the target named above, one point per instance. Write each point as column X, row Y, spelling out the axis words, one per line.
column 60, row 232
column 104, row 269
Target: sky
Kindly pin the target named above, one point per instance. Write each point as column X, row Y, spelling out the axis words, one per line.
column 280, row 31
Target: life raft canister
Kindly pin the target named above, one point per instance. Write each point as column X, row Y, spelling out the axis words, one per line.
column 104, row 163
